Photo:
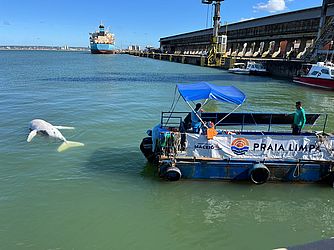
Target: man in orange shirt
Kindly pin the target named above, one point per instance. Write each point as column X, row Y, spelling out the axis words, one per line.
column 211, row 132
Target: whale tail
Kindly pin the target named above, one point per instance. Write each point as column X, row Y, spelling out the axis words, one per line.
column 69, row 144
column 31, row 135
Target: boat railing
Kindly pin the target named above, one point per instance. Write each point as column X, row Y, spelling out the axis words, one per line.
column 173, row 120
column 255, row 119
column 178, row 119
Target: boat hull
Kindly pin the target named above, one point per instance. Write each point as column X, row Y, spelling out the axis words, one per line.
column 230, row 170
column 315, row 82
column 97, row 48
column 244, row 159
column 258, row 73
column 239, row 71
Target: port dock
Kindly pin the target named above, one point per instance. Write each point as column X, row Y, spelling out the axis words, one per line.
column 277, row 67
column 282, row 42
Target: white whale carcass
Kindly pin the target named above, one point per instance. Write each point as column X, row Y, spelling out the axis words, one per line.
column 39, row 126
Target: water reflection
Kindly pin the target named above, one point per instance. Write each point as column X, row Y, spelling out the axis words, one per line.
column 111, row 160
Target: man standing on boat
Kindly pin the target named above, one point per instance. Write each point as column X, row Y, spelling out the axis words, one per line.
column 299, row 119
column 195, row 120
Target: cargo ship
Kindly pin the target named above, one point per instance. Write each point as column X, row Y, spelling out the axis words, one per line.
column 102, row 41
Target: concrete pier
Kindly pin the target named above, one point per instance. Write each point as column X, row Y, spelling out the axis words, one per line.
column 188, row 59
column 277, row 67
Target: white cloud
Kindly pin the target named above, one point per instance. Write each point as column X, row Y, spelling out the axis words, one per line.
column 246, row 19
column 271, row 6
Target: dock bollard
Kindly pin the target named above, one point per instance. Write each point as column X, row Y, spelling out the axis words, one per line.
column 259, row 173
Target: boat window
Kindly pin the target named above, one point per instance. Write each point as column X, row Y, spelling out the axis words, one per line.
column 332, row 72
column 315, row 73
column 325, row 71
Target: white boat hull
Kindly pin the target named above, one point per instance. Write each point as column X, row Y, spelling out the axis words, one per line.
column 239, row 71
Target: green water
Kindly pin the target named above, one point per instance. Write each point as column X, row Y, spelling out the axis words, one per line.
column 105, row 195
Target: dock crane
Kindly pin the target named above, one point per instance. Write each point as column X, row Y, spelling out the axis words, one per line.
column 217, row 49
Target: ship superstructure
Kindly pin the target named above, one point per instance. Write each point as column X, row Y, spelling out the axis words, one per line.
column 102, row 41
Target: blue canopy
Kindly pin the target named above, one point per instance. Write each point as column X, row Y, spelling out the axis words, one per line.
column 204, row 90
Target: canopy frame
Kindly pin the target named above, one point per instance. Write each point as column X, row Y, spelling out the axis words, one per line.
column 213, row 94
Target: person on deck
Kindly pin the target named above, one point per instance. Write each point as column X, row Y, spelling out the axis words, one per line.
column 299, row 119
column 195, row 121
column 210, row 131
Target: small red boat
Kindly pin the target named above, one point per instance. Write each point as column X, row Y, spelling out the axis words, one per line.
column 319, row 75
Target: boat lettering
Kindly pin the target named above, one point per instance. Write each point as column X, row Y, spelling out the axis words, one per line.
column 205, row 146
column 280, row 147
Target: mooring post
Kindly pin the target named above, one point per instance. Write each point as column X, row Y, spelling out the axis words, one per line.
column 202, row 61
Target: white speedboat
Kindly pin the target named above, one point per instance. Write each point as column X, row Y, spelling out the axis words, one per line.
column 256, row 68
column 239, row 68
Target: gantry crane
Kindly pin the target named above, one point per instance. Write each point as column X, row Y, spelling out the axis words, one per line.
column 217, row 49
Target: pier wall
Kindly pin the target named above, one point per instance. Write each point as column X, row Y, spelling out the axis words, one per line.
column 278, row 68
column 284, row 36
column 284, row 69
column 178, row 58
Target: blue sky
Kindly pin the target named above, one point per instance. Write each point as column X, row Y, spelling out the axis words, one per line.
column 60, row 22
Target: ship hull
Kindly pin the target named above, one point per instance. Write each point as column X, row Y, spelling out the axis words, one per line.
column 96, row 48
column 258, row 72
column 239, row 71
column 315, row 82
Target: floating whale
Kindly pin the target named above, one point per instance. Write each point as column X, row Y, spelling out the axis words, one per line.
column 39, row 126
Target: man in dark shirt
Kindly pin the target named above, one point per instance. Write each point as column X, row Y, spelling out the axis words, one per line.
column 195, row 120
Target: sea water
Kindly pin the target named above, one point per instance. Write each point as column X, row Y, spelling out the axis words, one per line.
column 104, row 195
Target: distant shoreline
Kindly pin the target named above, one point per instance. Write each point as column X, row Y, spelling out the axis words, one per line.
column 43, row 48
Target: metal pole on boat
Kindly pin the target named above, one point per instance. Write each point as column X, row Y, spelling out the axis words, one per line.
column 271, row 117
column 227, row 115
column 323, row 130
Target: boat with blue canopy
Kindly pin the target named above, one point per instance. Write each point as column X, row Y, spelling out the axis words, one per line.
column 255, row 147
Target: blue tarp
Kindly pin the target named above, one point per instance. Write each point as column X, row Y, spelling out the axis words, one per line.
column 204, row 90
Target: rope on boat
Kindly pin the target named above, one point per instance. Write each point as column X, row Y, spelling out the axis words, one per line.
column 171, row 111
column 173, row 99
column 296, row 172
